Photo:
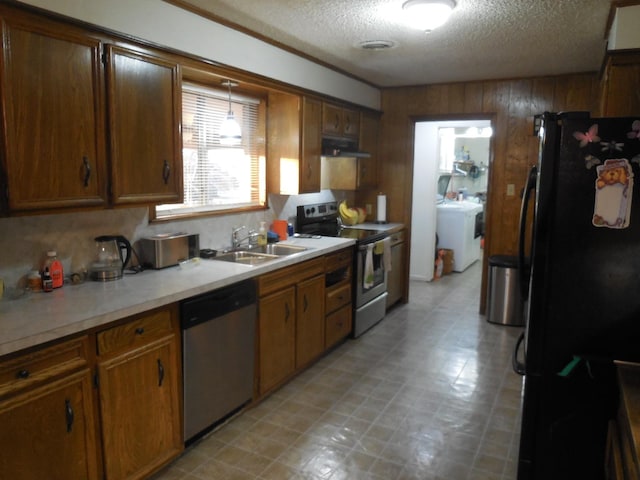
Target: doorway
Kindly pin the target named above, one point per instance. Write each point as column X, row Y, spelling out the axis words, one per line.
column 455, row 149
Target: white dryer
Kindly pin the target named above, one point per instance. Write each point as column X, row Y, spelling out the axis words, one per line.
column 458, row 226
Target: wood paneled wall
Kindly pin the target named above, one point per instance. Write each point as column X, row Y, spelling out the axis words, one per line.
column 511, row 105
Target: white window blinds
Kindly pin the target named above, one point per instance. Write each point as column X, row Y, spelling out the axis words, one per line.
column 216, row 176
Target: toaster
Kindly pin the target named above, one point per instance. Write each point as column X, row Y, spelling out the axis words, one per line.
column 168, row 249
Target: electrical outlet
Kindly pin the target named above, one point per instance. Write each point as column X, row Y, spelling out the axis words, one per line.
column 511, row 189
column 368, row 208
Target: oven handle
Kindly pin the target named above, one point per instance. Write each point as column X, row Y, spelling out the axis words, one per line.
column 363, row 246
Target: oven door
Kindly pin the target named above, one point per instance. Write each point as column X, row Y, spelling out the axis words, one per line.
column 373, row 283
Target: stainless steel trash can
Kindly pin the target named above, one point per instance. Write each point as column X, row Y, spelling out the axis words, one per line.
column 504, row 303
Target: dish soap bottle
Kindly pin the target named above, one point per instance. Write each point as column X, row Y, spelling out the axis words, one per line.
column 262, row 234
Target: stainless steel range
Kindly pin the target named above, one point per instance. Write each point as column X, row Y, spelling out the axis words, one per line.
column 370, row 279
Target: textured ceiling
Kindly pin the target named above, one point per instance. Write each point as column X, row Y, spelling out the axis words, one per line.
column 484, row 39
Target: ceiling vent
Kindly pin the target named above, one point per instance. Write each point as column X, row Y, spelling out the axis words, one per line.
column 376, row 45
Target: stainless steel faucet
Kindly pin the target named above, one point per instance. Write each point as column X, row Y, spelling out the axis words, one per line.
column 236, row 240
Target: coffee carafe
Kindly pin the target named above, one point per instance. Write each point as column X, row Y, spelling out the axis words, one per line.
column 112, row 255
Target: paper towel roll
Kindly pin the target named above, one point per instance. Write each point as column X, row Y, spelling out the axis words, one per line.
column 382, row 209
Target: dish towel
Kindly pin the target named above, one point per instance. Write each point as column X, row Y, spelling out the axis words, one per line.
column 383, row 247
column 387, row 254
column 367, row 281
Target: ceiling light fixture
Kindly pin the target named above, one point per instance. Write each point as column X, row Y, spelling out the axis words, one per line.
column 428, row 14
column 376, row 44
column 230, row 133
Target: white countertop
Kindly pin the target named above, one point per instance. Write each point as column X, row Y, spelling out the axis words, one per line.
column 37, row 318
column 382, row 227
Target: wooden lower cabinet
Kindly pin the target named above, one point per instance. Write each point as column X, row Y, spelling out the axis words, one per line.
column 299, row 318
column 139, row 390
column 276, row 334
column 47, row 422
column 339, row 325
column 309, row 320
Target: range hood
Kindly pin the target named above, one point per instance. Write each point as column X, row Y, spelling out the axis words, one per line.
column 341, row 147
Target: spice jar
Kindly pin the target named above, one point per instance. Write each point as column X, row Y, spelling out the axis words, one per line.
column 34, row 281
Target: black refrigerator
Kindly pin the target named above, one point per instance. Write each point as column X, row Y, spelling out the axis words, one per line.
column 580, row 267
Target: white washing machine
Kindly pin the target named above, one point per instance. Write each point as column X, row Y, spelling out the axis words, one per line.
column 459, row 226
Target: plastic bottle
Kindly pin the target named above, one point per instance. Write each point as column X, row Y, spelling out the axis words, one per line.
column 262, row 234
column 55, row 269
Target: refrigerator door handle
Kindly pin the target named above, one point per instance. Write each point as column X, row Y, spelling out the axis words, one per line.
column 526, row 198
column 518, row 367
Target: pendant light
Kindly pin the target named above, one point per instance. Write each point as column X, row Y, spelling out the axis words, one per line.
column 230, row 133
column 428, row 14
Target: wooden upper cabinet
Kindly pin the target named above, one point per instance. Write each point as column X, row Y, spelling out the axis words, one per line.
column 621, row 76
column 144, row 98
column 311, row 146
column 294, row 144
column 53, row 129
column 339, row 121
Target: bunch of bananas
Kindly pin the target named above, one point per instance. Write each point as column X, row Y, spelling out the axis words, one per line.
column 351, row 216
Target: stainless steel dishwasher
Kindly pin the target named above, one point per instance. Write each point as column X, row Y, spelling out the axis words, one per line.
column 218, row 334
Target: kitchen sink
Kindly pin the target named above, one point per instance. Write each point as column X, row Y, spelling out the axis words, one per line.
column 246, row 257
column 259, row 255
column 279, row 249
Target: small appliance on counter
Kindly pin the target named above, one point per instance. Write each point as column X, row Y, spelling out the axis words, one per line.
column 168, row 249
column 112, row 255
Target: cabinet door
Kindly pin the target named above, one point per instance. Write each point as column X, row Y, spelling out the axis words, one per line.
column 49, row 432
column 368, row 167
column 338, row 326
column 395, row 278
column 294, row 145
column 144, row 121
column 139, row 404
column 309, row 320
column 331, row 119
column 276, row 333
column 350, row 123
column 622, row 75
column 53, row 124
column 311, row 146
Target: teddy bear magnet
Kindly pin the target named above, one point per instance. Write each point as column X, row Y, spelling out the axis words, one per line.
column 614, row 191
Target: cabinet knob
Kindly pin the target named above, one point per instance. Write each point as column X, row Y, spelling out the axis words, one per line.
column 139, row 331
column 23, row 374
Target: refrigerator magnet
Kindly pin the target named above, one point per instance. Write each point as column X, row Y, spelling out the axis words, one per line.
column 614, row 191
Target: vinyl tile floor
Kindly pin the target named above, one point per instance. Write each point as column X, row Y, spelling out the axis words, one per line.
column 427, row 394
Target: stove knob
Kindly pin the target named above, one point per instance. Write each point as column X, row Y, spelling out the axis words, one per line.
column 313, row 209
column 307, row 212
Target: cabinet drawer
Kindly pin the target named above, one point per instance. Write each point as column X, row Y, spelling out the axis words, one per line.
column 33, row 368
column 339, row 259
column 338, row 296
column 284, row 277
column 338, row 326
column 135, row 332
